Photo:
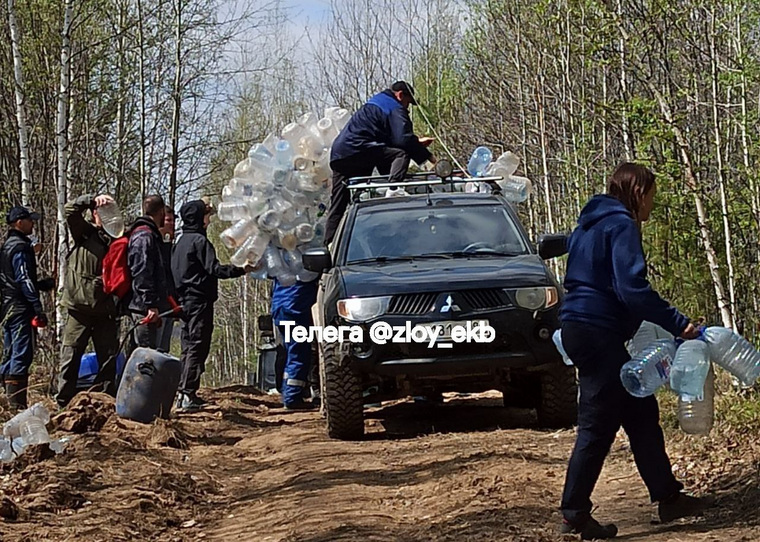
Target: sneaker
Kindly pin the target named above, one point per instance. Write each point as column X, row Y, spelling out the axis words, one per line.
column 189, row 402
column 683, row 506
column 299, row 405
column 592, row 530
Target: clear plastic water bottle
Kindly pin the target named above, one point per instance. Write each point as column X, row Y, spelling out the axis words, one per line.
column 270, row 220
column 646, row 335
column 310, row 146
column 273, row 261
column 287, row 278
column 287, row 238
column 479, row 161
column 734, row 353
column 236, row 235
column 251, row 251
column 6, row 450
column 304, row 232
column 283, row 153
column 112, row 219
column 650, row 369
column 516, row 189
column 293, row 133
column 12, row 427
column 261, row 161
column 696, row 416
column 242, row 168
column 327, row 131
column 33, row 431
column 557, row 340
column 232, row 211
column 19, row 446
column 58, row 445
column 508, row 162
column 340, row 118
column 690, row 367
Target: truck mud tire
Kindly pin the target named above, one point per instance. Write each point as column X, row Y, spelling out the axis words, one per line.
column 559, row 398
column 342, row 397
column 522, row 391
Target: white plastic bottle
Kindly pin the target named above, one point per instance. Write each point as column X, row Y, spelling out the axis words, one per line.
column 734, row 353
column 33, row 431
column 696, row 416
column 12, row 428
column 650, row 369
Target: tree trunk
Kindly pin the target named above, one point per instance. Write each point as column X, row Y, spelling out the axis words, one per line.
column 177, row 100
column 18, row 73
column 62, row 143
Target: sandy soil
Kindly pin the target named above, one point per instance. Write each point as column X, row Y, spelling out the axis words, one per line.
column 245, row 469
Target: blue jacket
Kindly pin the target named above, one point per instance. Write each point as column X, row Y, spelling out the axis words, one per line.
column 381, row 122
column 606, row 279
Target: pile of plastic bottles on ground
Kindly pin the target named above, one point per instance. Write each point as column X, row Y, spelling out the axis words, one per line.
column 25, row 429
column 658, row 359
column 481, row 164
column 278, row 198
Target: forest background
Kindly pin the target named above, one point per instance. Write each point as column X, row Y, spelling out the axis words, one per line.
column 131, row 97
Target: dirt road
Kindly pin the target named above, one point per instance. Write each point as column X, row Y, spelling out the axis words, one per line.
column 244, row 469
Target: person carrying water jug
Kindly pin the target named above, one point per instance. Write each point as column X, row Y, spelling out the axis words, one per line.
column 90, row 313
column 608, row 296
column 379, row 135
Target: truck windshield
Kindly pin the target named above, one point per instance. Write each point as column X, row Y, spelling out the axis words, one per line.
column 456, row 231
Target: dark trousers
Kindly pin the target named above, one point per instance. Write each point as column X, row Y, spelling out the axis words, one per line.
column 604, row 406
column 165, row 335
column 78, row 329
column 388, row 161
column 144, row 335
column 18, row 344
column 197, row 330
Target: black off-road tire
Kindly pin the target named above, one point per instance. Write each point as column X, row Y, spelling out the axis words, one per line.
column 559, row 397
column 342, row 396
column 523, row 391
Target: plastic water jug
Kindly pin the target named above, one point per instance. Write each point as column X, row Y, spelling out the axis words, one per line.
column 516, row 189
column 734, row 353
column 646, row 335
column 232, row 211
column 148, row 386
column 479, row 160
column 12, row 428
column 650, row 369
column 557, row 339
column 696, row 416
column 690, row 368
column 112, row 219
column 236, row 235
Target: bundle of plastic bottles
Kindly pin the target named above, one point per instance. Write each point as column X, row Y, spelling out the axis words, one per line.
column 481, row 164
column 25, row 429
column 278, row 197
column 688, row 370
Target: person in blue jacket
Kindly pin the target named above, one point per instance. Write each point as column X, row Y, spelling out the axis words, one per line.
column 21, row 309
column 379, row 135
column 293, row 303
column 608, row 297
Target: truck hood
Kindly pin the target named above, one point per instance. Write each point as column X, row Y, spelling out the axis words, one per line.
column 437, row 275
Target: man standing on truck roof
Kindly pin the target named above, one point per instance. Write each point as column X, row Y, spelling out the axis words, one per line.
column 379, row 135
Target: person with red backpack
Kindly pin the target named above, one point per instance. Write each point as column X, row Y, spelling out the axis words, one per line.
column 90, row 311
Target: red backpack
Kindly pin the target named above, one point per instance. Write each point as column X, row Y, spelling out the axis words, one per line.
column 117, row 279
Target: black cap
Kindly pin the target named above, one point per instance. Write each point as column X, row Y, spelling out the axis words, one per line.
column 19, row 213
column 406, row 88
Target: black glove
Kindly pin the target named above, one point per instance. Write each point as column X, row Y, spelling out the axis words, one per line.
column 45, row 285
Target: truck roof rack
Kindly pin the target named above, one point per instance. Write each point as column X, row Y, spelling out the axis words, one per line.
column 357, row 185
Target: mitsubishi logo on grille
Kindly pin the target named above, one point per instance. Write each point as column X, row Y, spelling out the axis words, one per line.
column 450, row 306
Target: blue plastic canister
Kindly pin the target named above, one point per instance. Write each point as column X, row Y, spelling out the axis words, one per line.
column 148, row 386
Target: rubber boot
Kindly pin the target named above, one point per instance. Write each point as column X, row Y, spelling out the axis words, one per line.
column 15, row 390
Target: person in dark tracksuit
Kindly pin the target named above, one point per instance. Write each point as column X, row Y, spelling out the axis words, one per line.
column 293, row 303
column 608, row 296
column 90, row 313
column 21, row 305
column 150, row 292
column 379, row 135
column 196, row 272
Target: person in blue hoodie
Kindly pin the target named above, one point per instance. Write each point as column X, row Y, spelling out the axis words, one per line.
column 379, row 135
column 608, row 297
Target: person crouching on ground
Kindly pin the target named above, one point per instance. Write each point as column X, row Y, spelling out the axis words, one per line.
column 196, row 271
column 608, row 296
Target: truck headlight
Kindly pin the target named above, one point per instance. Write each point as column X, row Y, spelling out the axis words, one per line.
column 361, row 309
column 536, row 298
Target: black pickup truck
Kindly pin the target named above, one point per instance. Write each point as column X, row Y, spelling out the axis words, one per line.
column 439, row 261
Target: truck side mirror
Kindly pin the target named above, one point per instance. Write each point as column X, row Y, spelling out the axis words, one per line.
column 552, row 245
column 317, row 260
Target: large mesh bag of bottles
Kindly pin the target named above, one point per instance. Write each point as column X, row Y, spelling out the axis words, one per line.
column 277, row 199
